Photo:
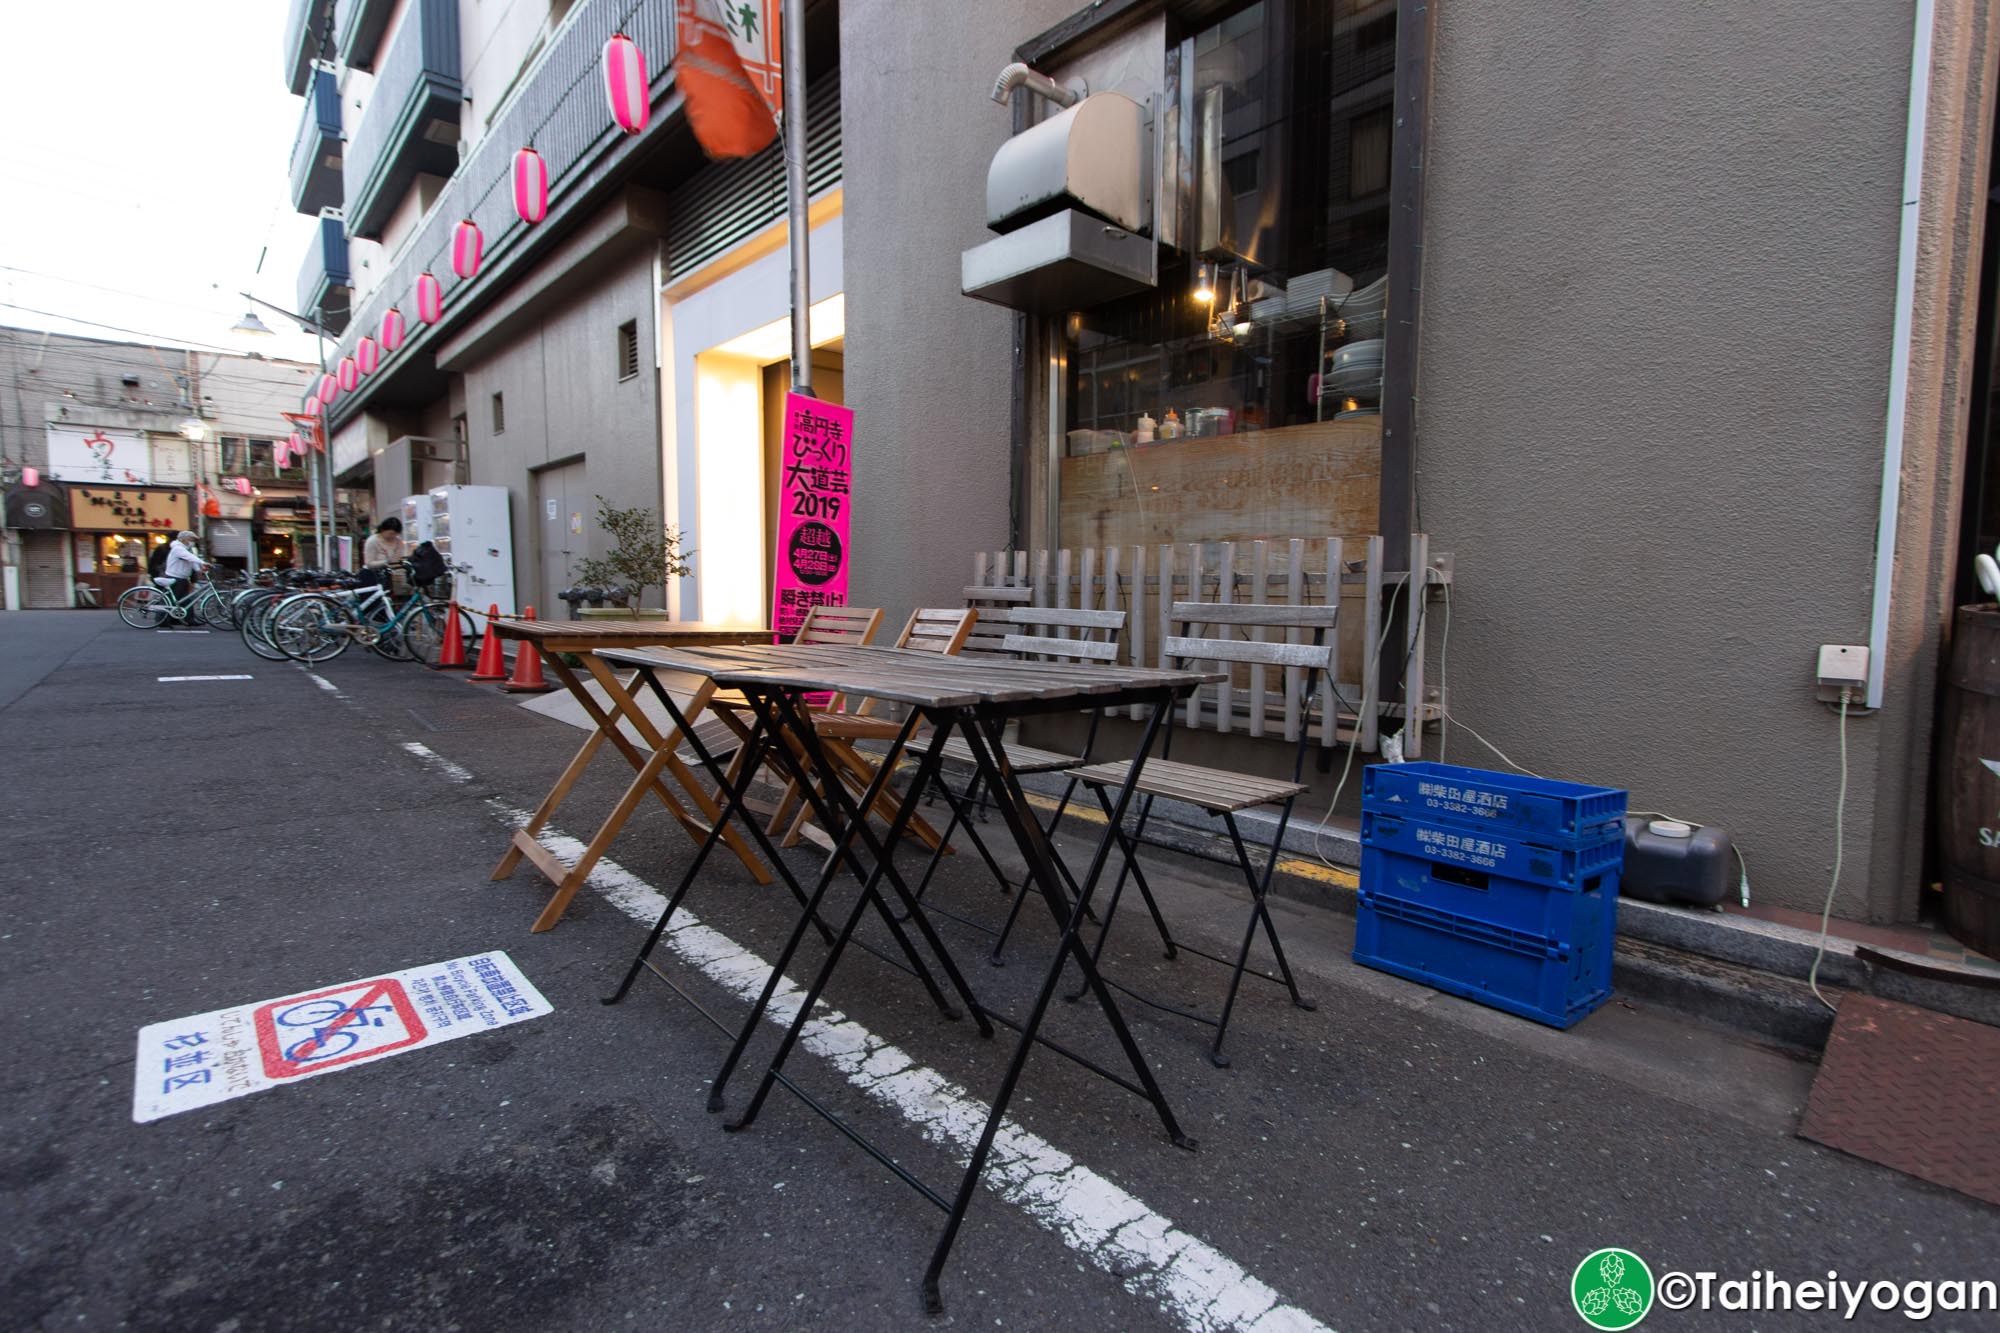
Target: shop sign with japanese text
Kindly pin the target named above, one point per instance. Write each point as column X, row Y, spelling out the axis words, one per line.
column 94, row 509
column 813, row 511
column 91, row 454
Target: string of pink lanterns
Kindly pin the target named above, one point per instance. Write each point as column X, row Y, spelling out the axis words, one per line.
column 626, row 93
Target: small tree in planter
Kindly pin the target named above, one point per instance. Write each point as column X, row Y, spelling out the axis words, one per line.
column 645, row 552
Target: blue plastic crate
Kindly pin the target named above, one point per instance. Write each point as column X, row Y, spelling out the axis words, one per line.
column 1516, row 971
column 1567, row 812
column 1479, row 895
column 1497, row 851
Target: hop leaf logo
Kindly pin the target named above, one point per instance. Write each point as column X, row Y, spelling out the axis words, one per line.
column 1612, row 1289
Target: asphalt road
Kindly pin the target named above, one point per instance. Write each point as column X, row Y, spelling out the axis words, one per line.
column 1394, row 1160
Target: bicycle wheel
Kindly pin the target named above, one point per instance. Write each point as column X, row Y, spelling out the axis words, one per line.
column 241, row 602
column 213, row 609
column 425, row 631
column 313, row 629
column 250, row 624
column 142, row 607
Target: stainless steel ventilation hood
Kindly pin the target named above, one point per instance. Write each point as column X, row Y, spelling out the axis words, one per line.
column 1067, row 261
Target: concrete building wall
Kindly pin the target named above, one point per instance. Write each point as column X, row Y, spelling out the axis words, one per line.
column 929, row 373
column 1658, row 290
column 564, row 400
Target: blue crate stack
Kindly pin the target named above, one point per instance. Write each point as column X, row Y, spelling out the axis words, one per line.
column 1497, row 887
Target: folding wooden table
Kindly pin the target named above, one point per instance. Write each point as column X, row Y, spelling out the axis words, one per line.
column 976, row 698
column 551, row 639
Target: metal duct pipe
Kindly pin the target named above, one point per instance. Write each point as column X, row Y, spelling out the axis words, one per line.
column 1018, row 75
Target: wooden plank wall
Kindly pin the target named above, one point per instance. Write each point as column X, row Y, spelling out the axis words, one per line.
column 1145, row 581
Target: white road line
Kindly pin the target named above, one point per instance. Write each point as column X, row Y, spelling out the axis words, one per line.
column 168, row 680
column 1195, row 1284
column 322, row 682
column 426, row 755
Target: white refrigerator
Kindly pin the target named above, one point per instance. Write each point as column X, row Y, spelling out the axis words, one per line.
column 470, row 527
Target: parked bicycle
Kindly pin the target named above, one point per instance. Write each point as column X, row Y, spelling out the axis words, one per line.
column 320, row 626
column 155, row 603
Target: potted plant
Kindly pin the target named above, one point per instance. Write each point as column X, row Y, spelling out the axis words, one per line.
column 645, row 552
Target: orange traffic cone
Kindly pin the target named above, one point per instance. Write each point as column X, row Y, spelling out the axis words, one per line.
column 492, row 665
column 527, row 677
column 452, row 656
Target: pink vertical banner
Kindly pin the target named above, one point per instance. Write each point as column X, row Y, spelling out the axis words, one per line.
column 813, row 511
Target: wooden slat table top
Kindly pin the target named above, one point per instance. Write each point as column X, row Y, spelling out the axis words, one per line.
column 583, row 636
column 922, row 680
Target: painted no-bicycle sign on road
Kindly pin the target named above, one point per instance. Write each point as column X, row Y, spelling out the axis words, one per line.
column 208, row 1058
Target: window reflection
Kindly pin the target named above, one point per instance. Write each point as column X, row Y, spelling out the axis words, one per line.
column 1292, row 122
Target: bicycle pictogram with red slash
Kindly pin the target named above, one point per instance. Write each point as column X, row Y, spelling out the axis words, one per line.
column 304, row 1034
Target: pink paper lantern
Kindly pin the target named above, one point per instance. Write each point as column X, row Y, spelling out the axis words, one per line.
column 366, row 357
column 241, row 485
column 467, row 245
column 430, row 298
column 297, row 445
column 31, row 477
column 531, row 186
column 281, row 454
column 350, row 374
column 392, row 329
column 625, row 83
column 314, row 406
column 329, row 389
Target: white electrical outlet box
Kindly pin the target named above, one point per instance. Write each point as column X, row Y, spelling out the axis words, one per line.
column 1842, row 666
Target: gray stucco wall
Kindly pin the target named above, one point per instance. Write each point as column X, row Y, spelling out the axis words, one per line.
column 564, row 399
column 928, row 370
column 1657, row 305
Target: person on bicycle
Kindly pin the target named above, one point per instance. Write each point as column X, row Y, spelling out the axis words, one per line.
column 182, row 565
column 386, row 546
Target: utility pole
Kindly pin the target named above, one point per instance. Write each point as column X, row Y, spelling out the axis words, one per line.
column 797, row 227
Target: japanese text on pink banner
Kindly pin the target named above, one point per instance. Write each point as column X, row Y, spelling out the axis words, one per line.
column 813, row 505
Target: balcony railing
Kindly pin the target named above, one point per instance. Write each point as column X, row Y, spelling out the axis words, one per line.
column 358, row 26
column 304, row 26
column 316, row 155
column 411, row 122
column 326, row 286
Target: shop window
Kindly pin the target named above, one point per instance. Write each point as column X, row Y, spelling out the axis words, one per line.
column 628, row 349
column 499, row 414
column 1254, row 412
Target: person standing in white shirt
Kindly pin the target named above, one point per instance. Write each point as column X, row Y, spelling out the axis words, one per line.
column 182, row 565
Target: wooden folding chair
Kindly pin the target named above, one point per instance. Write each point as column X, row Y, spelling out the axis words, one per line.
column 853, row 625
column 1037, row 634
column 929, row 630
column 1308, row 669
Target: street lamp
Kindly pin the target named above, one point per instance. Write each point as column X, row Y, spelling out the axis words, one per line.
column 252, row 325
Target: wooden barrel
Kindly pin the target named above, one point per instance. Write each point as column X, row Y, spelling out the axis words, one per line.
column 1967, row 795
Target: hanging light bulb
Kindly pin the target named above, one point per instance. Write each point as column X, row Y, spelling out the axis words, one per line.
column 625, row 83
column 1204, row 283
column 392, row 329
column 531, row 186
column 430, row 298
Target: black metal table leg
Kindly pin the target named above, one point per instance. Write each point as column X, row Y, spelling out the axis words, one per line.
column 1011, row 802
column 904, row 813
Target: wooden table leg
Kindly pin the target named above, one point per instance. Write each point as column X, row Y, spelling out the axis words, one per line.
column 574, row 876
column 546, row 811
column 665, row 747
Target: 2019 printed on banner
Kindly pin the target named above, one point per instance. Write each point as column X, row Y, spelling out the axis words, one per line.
column 814, row 501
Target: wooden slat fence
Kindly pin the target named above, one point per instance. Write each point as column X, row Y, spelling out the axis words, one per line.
column 1258, row 700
